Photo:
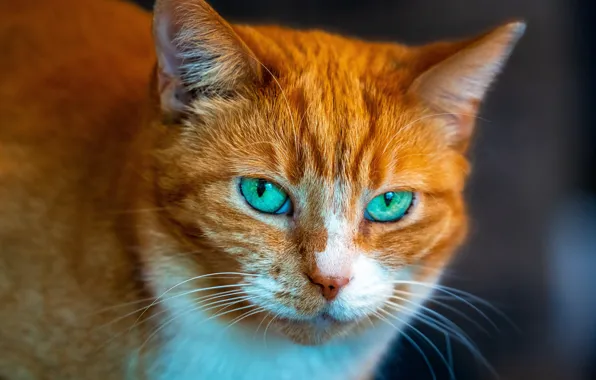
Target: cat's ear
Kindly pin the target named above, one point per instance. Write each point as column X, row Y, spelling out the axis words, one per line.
column 198, row 55
column 454, row 87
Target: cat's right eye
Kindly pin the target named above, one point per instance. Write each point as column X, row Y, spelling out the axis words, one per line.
column 265, row 196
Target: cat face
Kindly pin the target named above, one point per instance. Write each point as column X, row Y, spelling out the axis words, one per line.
column 327, row 171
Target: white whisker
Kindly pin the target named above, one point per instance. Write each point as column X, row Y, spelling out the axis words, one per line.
column 442, row 321
column 204, row 298
column 197, row 278
column 431, row 311
column 267, row 328
column 409, row 339
column 243, row 316
column 448, row 327
column 452, row 292
column 193, row 309
column 259, row 326
column 426, row 339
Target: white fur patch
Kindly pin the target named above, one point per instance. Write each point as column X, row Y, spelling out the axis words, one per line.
column 337, row 258
column 370, row 284
column 197, row 347
column 369, row 288
column 207, row 350
column 201, row 348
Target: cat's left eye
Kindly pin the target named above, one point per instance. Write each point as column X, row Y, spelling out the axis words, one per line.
column 265, row 196
column 389, row 207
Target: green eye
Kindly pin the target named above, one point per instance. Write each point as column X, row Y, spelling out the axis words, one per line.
column 265, row 196
column 389, row 207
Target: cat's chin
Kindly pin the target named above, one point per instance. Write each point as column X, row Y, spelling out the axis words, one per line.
column 316, row 331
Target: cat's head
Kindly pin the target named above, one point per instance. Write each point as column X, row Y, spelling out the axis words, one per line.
column 328, row 170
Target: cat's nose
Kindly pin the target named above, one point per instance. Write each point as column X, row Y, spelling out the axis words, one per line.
column 330, row 286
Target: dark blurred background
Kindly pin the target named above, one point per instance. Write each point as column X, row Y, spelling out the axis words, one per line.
column 532, row 250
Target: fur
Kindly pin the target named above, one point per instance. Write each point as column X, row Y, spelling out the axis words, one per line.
column 126, row 249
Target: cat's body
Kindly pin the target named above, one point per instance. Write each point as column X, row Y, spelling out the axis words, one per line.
column 68, row 121
column 83, row 233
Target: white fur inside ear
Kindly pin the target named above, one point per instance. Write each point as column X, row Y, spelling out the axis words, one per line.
column 198, row 53
column 168, row 58
column 172, row 89
column 456, row 85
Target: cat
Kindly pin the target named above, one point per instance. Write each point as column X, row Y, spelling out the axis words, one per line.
column 219, row 201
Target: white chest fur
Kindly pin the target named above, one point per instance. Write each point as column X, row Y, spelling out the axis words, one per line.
column 210, row 351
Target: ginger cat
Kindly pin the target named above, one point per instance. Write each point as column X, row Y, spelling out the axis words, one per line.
column 222, row 201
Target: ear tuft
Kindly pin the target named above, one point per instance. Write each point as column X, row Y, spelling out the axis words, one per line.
column 456, row 86
column 198, row 54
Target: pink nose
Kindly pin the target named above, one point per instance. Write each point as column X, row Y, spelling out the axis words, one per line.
column 330, row 286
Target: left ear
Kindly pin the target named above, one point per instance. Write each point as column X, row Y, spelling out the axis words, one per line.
column 454, row 88
column 198, row 54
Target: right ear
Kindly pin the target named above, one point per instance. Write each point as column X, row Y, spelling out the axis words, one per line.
column 198, row 55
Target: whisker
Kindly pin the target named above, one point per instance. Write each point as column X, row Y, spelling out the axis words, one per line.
column 197, row 306
column 452, row 292
column 426, row 339
column 157, row 301
column 474, row 298
column 160, row 312
column 109, row 308
column 442, row 321
column 448, row 349
column 181, row 314
column 230, row 311
column 227, row 305
column 446, row 328
column 450, row 308
column 127, row 331
column 243, row 316
column 196, row 278
column 259, row 326
column 202, row 304
column 267, row 328
column 118, row 306
column 210, row 288
column 203, row 298
column 412, row 342
column 226, row 302
column 156, row 314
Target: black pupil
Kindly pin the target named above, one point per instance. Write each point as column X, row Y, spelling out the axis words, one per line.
column 388, row 198
column 261, row 187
